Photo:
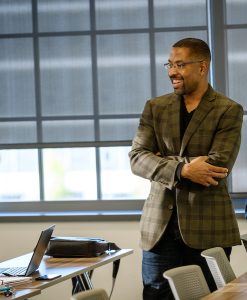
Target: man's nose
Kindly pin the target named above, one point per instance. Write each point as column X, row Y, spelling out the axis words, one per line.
column 172, row 71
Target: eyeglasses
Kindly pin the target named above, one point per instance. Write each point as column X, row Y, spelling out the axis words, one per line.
column 180, row 65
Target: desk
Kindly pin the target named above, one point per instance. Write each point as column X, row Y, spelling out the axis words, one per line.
column 22, row 294
column 67, row 267
column 234, row 290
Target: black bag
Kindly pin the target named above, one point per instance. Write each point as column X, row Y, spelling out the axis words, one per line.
column 78, row 247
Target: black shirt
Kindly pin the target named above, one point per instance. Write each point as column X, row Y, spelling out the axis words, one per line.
column 185, row 118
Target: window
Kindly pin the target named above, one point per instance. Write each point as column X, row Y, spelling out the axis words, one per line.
column 236, row 28
column 74, row 78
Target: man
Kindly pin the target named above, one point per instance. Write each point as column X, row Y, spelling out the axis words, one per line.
column 186, row 145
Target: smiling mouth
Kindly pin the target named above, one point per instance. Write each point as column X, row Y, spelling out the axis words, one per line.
column 176, row 83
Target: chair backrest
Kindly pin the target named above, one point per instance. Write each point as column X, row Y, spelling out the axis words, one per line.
column 187, row 282
column 244, row 238
column 94, row 294
column 219, row 265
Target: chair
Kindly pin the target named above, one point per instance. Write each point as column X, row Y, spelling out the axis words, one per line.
column 244, row 239
column 187, row 282
column 219, row 265
column 94, row 294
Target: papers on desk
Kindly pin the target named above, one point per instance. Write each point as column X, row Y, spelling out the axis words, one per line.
column 13, row 281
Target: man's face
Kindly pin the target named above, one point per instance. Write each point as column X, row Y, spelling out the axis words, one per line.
column 185, row 80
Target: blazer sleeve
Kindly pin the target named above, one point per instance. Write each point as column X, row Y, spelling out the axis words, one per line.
column 227, row 139
column 143, row 156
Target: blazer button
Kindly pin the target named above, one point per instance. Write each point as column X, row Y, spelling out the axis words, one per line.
column 170, row 206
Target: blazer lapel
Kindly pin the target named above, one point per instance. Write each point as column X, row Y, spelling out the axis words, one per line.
column 173, row 141
column 200, row 113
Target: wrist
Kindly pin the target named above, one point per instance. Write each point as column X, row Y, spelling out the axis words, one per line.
column 184, row 171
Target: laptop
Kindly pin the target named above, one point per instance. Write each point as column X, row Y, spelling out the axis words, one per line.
column 36, row 258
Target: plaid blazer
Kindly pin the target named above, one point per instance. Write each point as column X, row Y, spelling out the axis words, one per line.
column 205, row 214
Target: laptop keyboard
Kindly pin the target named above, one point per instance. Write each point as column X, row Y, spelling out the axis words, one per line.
column 15, row 271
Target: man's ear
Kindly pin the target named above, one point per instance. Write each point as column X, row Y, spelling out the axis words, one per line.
column 204, row 67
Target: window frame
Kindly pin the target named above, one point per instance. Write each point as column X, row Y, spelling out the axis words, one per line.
column 110, row 209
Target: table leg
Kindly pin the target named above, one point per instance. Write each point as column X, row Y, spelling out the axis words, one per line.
column 82, row 282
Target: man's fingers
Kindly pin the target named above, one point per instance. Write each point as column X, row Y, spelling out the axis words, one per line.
column 218, row 175
column 214, row 183
column 218, row 169
column 210, row 182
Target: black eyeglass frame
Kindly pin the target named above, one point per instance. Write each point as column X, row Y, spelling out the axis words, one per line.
column 180, row 65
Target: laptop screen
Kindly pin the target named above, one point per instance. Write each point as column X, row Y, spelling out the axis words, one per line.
column 39, row 250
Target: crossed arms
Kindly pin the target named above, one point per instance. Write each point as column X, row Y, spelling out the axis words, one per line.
column 206, row 169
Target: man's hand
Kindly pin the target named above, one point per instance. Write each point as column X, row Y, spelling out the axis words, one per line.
column 199, row 171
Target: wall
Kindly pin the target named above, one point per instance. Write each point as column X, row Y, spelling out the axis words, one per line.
column 20, row 238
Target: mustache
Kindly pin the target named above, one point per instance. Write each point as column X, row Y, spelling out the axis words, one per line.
column 176, row 77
